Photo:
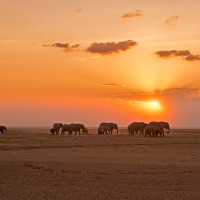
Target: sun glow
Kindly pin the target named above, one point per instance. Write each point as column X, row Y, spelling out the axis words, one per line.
column 154, row 103
column 152, row 106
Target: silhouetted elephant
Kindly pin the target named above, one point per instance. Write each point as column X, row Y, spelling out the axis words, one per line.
column 153, row 131
column 110, row 127
column 66, row 127
column 57, row 127
column 137, row 127
column 52, row 131
column 162, row 125
column 100, row 131
column 103, row 130
column 77, row 128
column 2, row 129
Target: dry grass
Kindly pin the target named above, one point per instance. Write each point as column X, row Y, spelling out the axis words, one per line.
column 36, row 165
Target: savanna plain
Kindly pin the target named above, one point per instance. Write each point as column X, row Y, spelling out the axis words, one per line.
column 36, row 165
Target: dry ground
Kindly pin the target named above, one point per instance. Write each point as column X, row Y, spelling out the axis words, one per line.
column 35, row 165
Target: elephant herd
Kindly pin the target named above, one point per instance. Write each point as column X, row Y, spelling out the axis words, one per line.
column 3, row 130
column 70, row 128
column 151, row 130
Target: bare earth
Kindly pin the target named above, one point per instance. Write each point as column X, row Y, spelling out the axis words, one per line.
column 35, row 165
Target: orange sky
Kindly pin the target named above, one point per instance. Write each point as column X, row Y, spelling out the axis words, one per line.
column 92, row 61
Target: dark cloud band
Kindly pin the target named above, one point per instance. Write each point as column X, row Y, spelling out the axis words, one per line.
column 111, row 47
column 184, row 54
column 65, row 46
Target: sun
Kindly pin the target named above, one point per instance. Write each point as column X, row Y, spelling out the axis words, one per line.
column 154, row 103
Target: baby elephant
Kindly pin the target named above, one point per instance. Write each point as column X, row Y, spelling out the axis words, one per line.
column 2, row 129
column 52, row 131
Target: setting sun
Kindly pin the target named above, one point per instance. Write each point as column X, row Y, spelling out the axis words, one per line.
column 154, row 103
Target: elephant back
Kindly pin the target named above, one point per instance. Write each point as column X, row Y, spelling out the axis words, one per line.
column 57, row 125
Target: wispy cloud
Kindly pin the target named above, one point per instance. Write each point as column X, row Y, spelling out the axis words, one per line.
column 111, row 47
column 172, row 20
column 184, row 54
column 79, row 10
column 137, row 13
column 86, row 58
column 189, row 93
column 65, row 46
column 111, row 85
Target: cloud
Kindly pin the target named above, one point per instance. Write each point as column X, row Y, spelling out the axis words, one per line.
column 189, row 93
column 112, row 84
column 86, row 58
column 79, row 10
column 184, row 54
column 172, row 20
column 65, row 46
column 111, row 47
column 137, row 13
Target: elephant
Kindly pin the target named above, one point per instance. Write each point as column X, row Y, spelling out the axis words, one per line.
column 136, row 127
column 52, row 131
column 2, row 129
column 151, row 130
column 110, row 127
column 66, row 127
column 162, row 125
column 100, row 131
column 77, row 128
column 103, row 130
column 57, row 127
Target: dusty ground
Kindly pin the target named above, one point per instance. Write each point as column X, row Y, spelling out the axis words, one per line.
column 35, row 166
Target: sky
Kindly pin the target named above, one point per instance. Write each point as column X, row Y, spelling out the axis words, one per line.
column 92, row 61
